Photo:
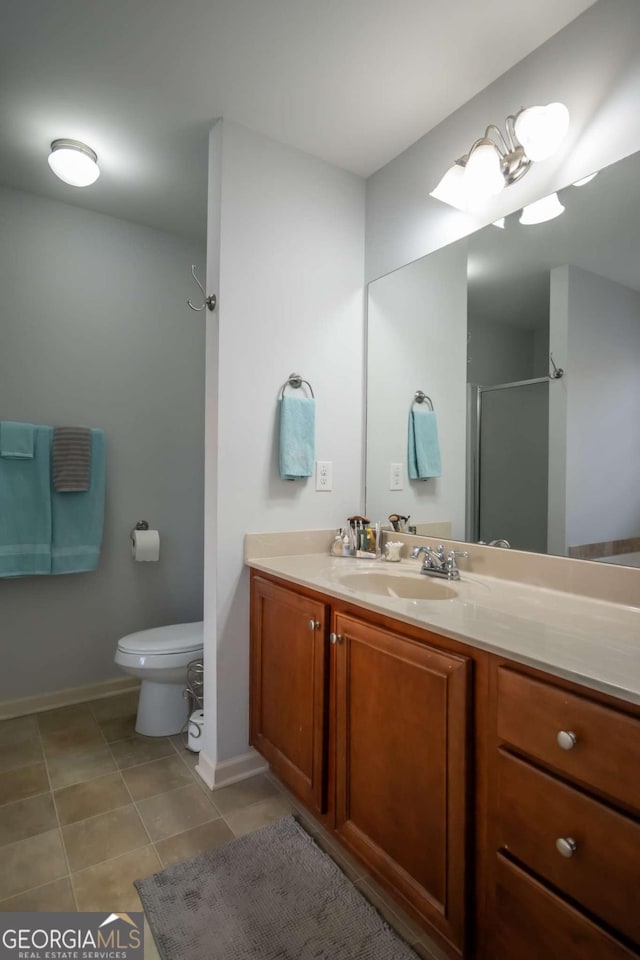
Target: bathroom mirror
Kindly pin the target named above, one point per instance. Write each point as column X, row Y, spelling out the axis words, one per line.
column 550, row 464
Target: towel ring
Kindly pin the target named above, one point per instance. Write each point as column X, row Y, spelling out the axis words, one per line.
column 295, row 380
column 420, row 397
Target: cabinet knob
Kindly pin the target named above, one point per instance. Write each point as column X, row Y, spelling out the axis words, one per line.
column 566, row 846
column 335, row 637
column 314, row 624
column 566, row 739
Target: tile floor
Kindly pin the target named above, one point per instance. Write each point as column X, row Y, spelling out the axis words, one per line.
column 87, row 806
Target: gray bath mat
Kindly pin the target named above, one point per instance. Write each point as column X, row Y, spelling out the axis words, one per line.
column 270, row 895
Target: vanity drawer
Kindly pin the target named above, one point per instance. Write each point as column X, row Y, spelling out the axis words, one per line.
column 534, row 924
column 606, row 751
column 603, row 874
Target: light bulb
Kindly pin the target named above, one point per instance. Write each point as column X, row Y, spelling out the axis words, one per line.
column 541, row 130
column 483, row 176
column 542, row 210
column 584, row 180
column 451, row 188
column 74, row 162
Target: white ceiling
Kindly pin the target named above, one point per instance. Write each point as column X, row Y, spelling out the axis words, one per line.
column 352, row 81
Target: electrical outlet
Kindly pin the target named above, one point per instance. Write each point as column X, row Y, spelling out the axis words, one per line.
column 395, row 477
column 324, row 475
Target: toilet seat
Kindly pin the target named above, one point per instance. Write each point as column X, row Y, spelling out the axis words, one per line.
column 179, row 638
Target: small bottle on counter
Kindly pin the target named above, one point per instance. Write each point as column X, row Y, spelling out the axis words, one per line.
column 337, row 546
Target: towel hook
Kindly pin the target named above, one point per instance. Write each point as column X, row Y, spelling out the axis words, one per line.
column 209, row 302
column 558, row 372
column 420, row 397
column 295, row 380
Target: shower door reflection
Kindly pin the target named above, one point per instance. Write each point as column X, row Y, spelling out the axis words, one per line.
column 512, row 463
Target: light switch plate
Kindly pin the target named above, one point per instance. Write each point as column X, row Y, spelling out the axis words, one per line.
column 395, row 476
column 324, row 475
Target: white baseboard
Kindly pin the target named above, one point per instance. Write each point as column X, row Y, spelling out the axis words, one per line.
column 217, row 775
column 67, row 697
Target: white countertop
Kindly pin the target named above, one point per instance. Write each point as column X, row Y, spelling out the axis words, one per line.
column 592, row 642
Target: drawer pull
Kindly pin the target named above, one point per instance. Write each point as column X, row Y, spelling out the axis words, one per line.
column 566, row 846
column 335, row 637
column 566, row 739
column 314, row 624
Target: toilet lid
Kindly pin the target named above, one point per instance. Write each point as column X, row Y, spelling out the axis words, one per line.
column 176, row 638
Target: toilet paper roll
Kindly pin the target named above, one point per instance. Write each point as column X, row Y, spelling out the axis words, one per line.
column 146, row 545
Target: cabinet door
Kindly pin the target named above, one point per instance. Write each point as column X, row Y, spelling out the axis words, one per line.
column 401, row 766
column 289, row 656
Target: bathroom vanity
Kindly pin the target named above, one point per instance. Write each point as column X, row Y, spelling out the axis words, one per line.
column 478, row 751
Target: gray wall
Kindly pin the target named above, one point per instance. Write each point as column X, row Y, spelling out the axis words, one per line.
column 94, row 330
column 499, row 352
column 595, row 462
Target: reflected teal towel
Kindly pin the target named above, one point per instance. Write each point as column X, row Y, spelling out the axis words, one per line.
column 25, row 510
column 16, row 440
column 424, row 448
column 78, row 518
column 297, row 437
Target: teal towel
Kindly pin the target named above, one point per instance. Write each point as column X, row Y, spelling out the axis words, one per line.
column 25, row 510
column 16, row 440
column 424, row 448
column 78, row 518
column 297, row 437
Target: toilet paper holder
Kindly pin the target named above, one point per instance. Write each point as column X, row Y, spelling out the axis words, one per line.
column 140, row 525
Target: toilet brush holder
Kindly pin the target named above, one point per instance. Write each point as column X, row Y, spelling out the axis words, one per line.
column 194, row 731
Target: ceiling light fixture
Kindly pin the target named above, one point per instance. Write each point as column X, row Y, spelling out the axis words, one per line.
column 548, row 208
column 501, row 158
column 74, row 162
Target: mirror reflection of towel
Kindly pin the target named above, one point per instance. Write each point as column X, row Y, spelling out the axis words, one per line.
column 424, row 448
column 297, row 437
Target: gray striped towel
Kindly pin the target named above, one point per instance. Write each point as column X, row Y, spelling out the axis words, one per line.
column 71, row 459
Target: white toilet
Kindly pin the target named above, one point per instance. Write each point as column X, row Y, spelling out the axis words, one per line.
column 159, row 658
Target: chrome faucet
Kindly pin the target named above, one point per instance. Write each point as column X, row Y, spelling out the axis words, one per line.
column 437, row 564
column 495, row 543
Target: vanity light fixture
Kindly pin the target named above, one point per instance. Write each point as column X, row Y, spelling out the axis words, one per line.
column 499, row 158
column 542, row 210
column 74, row 162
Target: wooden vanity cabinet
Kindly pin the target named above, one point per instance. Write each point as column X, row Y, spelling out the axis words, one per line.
column 564, row 870
column 372, row 727
column 289, row 688
column 498, row 804
column 402, row 764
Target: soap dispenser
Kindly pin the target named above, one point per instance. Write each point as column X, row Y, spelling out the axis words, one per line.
column 337, row 546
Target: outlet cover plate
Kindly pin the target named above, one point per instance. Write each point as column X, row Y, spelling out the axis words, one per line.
column 395, row 476
column 324, row 476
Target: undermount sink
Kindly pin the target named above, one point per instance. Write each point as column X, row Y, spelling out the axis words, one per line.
column 405, row 586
